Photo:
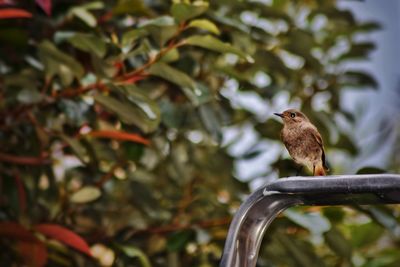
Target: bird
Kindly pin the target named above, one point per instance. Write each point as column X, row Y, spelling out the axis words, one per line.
column 303, row 141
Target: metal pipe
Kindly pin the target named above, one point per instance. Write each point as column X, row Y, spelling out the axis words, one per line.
column 250, row 222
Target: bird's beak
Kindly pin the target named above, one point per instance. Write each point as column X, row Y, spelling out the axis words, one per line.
column 279, row 114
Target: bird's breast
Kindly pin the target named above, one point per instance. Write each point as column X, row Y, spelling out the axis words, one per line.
column 301, row 145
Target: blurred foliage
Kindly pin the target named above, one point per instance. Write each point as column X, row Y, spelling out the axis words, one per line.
column 122, row 127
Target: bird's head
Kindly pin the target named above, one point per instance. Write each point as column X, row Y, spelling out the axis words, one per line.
column 292, row 116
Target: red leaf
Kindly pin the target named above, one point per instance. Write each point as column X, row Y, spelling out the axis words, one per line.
column 133, row 79
column 6, row 2
column 11, row 13
column 119, row 135
column 16, row 231
column 118, row 65
column 33, row 253
column 106, row 17
column 65, row 236
column 45, row 5
column 21, row 193
column 31, row 249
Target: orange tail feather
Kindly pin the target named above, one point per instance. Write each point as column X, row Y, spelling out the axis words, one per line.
column 319, row 170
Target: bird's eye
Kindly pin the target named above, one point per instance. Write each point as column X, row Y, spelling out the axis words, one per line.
column 292, row 114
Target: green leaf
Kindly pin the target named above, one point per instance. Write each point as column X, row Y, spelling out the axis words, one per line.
column 134, row 252
column 62, row 36
column 123, row 110
column 134, row 108
column 386, row 258
column 183, row 12
column 143, row 195
column 301, row 42
column 162, row 34
column 204, row 24
column 177, row 241
column 210, row 120
column 29, row 96
column 89, row 43
column 270, row 129
column 338, row 243
column 272, row 13
column 358, row 51
column 358, row 79
column 334, row 214
column 171, row 56
column 129, row 37
column 77, row 148
column 133, row 151
column 161, row 29
column 385, row 217
column 251, row 154
column 211, row 43
column 58, row 63
column 273, row 64
column 85, row 194
column 173, row 115
column 85, row 16
column 161, row 21
column 370, row 170
column 368, row 26
column 141, row 100
column 314, row 222
column 130, row 7
column 26, row 79
column 363, row 235
column 334, row 14
column 198, row 95
column 93, row 5
column 196, row 92
column 287, row 168
column 347, row 144
column 103, row 67
column 234, row 23
column 299, row 253
column 171, row 74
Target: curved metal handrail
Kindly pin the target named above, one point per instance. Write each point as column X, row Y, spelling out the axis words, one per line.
column 262, row 206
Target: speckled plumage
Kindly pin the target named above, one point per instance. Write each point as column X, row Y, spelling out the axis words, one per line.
column 303, row 141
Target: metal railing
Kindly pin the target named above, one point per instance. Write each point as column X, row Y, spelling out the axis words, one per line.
column 250, row 222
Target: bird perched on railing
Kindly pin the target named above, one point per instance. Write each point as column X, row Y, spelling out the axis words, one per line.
column 303, row 141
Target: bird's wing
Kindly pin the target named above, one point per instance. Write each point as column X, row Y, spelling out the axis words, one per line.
column 317, row 136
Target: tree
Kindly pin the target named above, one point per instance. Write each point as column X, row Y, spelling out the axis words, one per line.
column 114, row 129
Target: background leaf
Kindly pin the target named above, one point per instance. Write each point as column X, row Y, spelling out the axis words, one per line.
column 204, row 24
column 59, row 63
column 209, row 42
column 85, row 194
column 88, row 43
column 184, row 11
column 45, row 5
column 11, row 13
column 65, row 236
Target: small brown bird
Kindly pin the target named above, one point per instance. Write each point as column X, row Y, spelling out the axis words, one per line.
column 303, row 141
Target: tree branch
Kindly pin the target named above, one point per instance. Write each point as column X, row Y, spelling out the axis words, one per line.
column 106, row 177
column 24, row 160
column 210, row 223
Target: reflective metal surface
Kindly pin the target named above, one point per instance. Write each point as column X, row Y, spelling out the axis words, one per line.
column 250, row 222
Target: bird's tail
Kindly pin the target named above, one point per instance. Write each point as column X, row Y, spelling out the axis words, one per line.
column 319, row 170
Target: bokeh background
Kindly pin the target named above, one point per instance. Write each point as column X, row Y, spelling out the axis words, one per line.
column 131, row 130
